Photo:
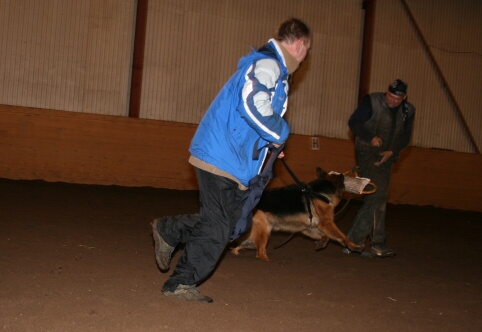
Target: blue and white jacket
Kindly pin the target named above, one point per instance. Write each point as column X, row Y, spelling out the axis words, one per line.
column 246, row 115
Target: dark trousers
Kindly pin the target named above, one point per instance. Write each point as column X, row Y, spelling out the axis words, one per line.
column 205, row 234
column 370, row 220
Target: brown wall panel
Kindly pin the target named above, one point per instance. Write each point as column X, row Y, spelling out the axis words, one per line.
column 108, row 150
column 87, row 148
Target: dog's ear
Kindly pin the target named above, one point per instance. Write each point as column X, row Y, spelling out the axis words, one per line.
column 320, row 174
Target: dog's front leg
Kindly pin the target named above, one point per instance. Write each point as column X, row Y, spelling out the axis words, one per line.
column 327, row 226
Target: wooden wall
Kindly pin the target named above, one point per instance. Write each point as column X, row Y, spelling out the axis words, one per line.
column 77, row 56
column 59, row 146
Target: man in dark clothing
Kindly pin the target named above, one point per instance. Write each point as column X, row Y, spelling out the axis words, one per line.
column 382, row 125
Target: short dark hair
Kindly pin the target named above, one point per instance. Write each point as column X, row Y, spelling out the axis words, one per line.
column 292, row 29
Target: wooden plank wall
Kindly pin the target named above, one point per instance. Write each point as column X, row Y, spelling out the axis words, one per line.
column 59, row 146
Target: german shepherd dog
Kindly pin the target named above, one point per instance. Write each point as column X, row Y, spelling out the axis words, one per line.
column 286, row 209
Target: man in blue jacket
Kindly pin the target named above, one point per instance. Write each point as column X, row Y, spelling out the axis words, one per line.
column 227, row 150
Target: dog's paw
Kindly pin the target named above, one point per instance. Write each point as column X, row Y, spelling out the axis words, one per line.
column 235, row 251
column 321, row 244
column 263, row 258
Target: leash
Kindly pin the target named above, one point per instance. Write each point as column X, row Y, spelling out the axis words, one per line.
column 304, row 187
column 306, row 190
column 357, row 167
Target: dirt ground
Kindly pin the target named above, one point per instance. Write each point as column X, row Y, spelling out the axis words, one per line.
column 81, row 258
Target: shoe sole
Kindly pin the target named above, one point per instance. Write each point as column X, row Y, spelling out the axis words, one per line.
column 374, row 254
column 379, row 254
column 364, row 253
column 183, row 296
column 161, row 261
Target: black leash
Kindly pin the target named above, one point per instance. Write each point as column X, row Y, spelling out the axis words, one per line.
column 357, row 167
column 304, row 187
column 306, row 190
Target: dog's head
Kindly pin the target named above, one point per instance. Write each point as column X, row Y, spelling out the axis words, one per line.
column 329, row 184
column 336, row 178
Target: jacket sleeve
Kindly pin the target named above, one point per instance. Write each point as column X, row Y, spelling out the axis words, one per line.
column 405, row 136
column 357, row 120
column 256, row 106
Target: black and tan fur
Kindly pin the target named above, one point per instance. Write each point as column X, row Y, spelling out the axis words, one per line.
column 284, row 209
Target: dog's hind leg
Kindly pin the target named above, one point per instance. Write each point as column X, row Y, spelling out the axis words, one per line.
column 258, row 236
column 261, row 243
column 260, row 232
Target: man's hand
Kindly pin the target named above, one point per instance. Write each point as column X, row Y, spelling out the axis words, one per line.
column 385, row 156
column 376, row 141
column 281, row 154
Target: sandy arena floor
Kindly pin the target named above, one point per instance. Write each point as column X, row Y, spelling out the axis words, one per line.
column 80, row 258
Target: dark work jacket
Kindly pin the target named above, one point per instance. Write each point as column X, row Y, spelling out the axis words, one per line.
column 374, row 118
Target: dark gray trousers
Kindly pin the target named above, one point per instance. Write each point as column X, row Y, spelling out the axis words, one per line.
column 371, row 217
column 206, row 234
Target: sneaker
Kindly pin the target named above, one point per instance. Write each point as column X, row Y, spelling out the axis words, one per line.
column 382, row 251
column 162, row 248
column 361, row 252
column 188, row 293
